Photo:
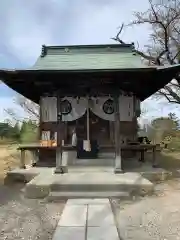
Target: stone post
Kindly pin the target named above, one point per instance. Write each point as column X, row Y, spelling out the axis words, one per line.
column 155, row 155
column 118, row 168
column 35, row 157
column 58, row 160
column 22, row 159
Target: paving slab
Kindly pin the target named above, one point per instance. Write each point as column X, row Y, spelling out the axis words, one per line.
column 73, row 216
column 100, row 215
column 102, row 233
column 84, row 201
column 69, row 233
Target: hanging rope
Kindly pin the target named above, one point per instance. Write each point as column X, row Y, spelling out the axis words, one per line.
column 87, row 145
column 88, row 121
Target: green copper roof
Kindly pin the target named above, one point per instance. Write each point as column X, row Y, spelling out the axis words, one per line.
column 93, row 70
column 88, row 57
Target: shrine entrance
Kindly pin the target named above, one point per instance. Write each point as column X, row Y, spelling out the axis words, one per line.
column 99, row 135
column 92, row 120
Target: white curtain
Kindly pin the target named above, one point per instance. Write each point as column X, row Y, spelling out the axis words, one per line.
column 96, row 106
column 125, row 108
column 79, row 107
column 48, row 108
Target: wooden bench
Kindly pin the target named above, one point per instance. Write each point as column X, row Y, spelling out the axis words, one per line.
column 35, row 148
column 141, row 148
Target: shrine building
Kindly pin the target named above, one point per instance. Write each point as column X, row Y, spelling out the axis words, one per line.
column 93, row 91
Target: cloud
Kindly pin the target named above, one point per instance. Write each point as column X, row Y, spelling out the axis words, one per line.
column 5, row 91
column 152, row 108
column 26, row 25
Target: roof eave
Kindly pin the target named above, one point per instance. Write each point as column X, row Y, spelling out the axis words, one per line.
column 170, row 68
column 33, row 70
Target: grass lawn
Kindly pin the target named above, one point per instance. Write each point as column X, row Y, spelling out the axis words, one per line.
column 9, row 159
column 169, row 160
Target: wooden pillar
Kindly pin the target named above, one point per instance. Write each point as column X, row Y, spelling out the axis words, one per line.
column 59, row 168
column 117, row 136
column 65, row 132
column 40, row 121
column 111, row 131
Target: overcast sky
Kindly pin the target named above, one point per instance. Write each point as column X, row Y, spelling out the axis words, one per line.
column 26, row 25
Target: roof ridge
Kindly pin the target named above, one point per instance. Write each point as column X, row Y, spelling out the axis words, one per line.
column 95, row 46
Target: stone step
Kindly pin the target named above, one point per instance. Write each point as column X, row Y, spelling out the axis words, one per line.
column 94, row 187
column 94, row 162
column 56, row 196
column 46, row 164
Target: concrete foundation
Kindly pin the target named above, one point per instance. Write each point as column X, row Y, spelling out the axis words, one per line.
column 81, row 182
column 84, row 180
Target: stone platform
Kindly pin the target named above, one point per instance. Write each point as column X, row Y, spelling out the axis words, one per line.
column 81, row 182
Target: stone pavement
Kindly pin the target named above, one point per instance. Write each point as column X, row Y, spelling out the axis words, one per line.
column 87, row 219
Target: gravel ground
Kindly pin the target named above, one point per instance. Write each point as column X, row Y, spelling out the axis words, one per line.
column 27, row 219
column 156, row 217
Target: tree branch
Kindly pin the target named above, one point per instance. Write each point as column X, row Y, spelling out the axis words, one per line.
column 172, row 93
column 116, row 38
column 28, row 106
column 176, row 55
column 164, row 19
column 154, row 60
column 167, row 97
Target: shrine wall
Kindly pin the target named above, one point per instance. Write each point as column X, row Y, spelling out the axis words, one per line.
column 129, row 107
column 101, row 129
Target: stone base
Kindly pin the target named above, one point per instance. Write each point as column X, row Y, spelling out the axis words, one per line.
column 61, row 170
column 23, row 167
column 157, row 175
column 155, row 165
column 118, row 170
column 22, row 175
column 81, row 184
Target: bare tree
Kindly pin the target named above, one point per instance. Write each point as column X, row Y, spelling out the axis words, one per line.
column 164, row 18
column 30, row 109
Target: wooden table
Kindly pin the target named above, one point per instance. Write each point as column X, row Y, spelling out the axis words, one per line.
column 38, row 146
column 35, row 148
column 141, row 148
